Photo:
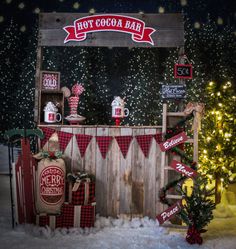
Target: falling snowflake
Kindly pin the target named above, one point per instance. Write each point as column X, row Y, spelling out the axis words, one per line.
column 161, row 9
column 220, row 21
column 21, row 6
column 76, row 5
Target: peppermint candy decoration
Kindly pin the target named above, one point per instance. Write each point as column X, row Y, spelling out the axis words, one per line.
column 77, row 89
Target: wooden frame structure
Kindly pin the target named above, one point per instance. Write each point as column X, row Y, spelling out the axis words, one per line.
column 123, row 180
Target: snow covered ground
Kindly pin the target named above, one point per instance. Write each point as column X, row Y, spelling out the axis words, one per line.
column 108, row 233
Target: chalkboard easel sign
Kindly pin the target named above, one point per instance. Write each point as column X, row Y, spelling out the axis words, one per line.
column 173, row 91
column 183, row 71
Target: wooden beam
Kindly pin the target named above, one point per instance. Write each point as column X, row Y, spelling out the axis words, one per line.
column 169, row 31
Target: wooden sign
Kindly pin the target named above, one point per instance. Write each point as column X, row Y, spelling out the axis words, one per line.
column 111, row 30
column 50, row 80
column 183, row 71
column 170, row 212
column 173, row 91
column 173, row 141
column 137, row 28
column 183, row 169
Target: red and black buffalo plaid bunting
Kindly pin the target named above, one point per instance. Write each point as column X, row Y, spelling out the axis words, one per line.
column 78, row 216
column 47, row 134
column 158, row 137
column 124, row 143
column 144, row 142
column 103, row 144
column 79, row 196
column 64, row 138
column 83, row 141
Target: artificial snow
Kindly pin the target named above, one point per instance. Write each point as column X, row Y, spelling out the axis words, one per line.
column 110, row 233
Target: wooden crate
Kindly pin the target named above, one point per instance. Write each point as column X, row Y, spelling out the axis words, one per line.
column 57, row 97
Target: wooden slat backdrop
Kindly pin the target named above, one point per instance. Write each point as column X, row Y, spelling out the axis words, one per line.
column 124, row 186
column 169, row 31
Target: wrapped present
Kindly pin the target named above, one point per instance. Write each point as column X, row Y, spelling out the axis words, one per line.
column 53, row 221
column 82, row 192
column 78, row 216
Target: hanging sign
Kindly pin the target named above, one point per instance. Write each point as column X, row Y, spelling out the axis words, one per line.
column 173, row 91
column 49, row 80
column 170, row 212
column 117, row 23
column 183, row 169
column 183, row 71
column 173, row 141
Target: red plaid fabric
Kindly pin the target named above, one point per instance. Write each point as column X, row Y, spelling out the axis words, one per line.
column 87, row 216
column 78, row 196
column 64, row 139
column 44, row 220
column 47, row 134
column 83, row 141
column 124, row 143
column 158, row 137
column 103, row 144
column 144, row 142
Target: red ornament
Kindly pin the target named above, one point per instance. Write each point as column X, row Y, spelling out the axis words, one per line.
column 193, row 236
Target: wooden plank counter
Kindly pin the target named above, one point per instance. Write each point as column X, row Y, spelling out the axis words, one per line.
column 124, row 186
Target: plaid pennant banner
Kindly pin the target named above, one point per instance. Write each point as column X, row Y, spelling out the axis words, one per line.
column 103, row 144
column 144, row 142
column 158, row 137
column 124, row 143
column 47, row 134
column 83, row 141
column 64, row 139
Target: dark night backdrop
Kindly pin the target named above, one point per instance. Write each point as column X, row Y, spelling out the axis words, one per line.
column 210, row 44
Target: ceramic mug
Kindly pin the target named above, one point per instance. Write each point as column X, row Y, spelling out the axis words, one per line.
column 52, row 117
column 120, row 112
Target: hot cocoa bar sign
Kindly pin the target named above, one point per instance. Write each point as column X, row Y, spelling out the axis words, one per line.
column 117, row 23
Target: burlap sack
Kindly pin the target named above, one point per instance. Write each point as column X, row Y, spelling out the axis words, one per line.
column 50, row 185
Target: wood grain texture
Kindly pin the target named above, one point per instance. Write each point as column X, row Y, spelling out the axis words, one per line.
column 169, row 31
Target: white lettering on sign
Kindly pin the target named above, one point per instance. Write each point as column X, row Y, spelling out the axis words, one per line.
column 172, row 142
column 183, row 170
column 165, row 215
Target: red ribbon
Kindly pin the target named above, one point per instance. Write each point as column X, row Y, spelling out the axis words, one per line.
column 193, row 236
column 117, row 23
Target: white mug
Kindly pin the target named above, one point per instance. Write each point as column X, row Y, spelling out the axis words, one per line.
column 119, row 112
column 51, row 117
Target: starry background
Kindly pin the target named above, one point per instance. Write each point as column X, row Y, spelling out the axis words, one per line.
column 212, row 47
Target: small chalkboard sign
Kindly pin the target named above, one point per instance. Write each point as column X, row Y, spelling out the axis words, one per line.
column 49, row 80
column 173, row 91
column 183, row 71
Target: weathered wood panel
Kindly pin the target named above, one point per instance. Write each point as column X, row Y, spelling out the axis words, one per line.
column 126, row 176
column 124, row 186
column 169, row 31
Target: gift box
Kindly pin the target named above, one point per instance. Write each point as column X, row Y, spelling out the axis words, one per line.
column 53, row 221
column 78, row 216
column 82, row 192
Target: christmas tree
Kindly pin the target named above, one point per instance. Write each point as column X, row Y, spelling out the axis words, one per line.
column 141, row 87
column 217, row 155
column 10, row 43
column 197, row 209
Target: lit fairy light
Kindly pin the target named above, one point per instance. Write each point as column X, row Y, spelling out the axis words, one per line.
column 220, row 21
column 37, row 10
column 76, row 5
column 183, row 2
column 92, row 11
column 21, row 6
column 161, row 9
column 197, row 25
column 23, row 28
column 1, row 19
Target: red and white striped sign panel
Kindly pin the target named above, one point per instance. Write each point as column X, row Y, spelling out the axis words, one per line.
column 173, row 141
column 183, row 169
column 170, row 212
